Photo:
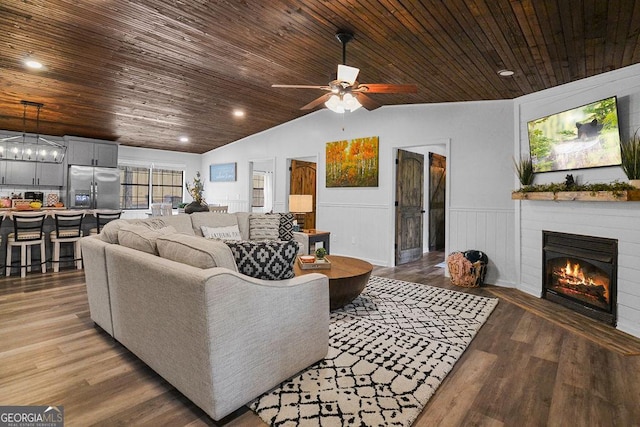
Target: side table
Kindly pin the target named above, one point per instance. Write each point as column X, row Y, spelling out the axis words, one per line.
column 317, row 236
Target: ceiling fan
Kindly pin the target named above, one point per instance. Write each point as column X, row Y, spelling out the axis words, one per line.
column 345, row 93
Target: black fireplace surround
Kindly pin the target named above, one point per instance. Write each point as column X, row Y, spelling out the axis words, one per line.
column 580, row 272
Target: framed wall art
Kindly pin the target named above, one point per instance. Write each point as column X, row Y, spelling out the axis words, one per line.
column 352, row 163
column 222, row 172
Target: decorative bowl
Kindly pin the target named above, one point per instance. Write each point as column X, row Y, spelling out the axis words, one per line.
column 35, row 205
column 307, row 258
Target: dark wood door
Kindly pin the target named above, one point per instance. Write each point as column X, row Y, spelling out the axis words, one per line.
column 437, row 188
column 303, row 181
column 409, row 206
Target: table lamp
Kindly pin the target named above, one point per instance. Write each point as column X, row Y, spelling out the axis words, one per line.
column 300, row 204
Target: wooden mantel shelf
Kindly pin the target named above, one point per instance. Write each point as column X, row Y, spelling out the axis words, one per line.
column 581, row 196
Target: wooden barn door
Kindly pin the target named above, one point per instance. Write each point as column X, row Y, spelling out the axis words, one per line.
column 409, row 206
column 303, row 181
column 437, row 187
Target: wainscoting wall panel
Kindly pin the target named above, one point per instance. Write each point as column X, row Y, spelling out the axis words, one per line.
column 488, row 230
column 364, row 220
column 619, row 221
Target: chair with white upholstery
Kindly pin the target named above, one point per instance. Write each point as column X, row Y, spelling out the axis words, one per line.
column 68, row 230
column 103, row 217
column 27, row 231
column 166, row 209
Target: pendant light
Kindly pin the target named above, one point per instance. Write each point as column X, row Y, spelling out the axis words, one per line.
column 29, row 148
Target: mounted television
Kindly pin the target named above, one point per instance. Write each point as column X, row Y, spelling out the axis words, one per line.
column 583, row 137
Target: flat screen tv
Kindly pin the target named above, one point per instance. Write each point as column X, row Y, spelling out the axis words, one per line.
column 579, row 138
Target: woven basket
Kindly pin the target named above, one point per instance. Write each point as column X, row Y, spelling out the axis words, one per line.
column 463, row 272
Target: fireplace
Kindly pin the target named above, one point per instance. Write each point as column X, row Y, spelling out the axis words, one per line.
column 580, row 272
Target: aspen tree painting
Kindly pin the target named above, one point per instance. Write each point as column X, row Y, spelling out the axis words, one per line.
column 353, row 163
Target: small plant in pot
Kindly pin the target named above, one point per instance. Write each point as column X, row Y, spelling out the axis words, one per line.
column 524, row 170
column 321, row 253
column 630, row 150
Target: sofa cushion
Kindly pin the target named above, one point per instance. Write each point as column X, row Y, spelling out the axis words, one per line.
column 211, row 219
column 264, row 227
column 142, row 238
column 181, row 223
column 109, row 233
column 243, row 224
column 230, row 232
column 196, row 251
column 267, row 260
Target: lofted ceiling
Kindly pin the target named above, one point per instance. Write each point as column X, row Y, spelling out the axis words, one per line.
column 147, row 72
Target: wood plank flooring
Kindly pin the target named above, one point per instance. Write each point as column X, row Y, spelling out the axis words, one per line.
column 525, row 367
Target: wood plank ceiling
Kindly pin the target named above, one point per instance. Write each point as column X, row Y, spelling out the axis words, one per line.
column 147, row 72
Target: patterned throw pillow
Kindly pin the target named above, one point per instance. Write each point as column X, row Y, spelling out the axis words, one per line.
column 285, row 230
column 263, row 227
column 267, row 260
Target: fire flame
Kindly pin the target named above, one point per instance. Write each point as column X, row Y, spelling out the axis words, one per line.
column 575, row 271
column 573, row 279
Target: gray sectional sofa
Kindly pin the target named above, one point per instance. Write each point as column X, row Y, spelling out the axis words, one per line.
column 177, row 301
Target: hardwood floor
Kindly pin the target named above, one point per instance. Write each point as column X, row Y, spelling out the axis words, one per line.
column 527, row 366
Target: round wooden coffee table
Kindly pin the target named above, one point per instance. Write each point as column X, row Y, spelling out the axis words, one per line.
column 347, row 278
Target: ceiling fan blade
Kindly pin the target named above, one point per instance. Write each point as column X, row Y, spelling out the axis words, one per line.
column 366, row 101
column 347, row 74
column 387, row 88
column 302, row 87
column 321, row 100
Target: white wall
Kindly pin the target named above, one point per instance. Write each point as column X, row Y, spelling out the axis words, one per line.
column 478, row 135
column 619, row 221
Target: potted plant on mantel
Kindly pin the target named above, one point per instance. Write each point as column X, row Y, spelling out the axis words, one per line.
column 524, row 170
column 196, row 191
column 630, row 150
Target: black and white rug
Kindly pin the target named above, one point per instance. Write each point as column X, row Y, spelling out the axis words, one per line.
column 389, row 350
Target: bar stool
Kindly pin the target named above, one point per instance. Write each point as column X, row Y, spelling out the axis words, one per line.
column 68, row 230
column 104, row 216
column 27, row 231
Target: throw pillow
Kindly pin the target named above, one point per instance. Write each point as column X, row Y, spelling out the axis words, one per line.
column 211, row 219
column 231, row 232
column 267, row 260
column 142, row 238
column 285, row 228
column 263, row 227
column 196, row 251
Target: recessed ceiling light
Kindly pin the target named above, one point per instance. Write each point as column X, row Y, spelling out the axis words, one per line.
column 505, row 73
column 184, row 139
column 238, row 113
column 32, row 63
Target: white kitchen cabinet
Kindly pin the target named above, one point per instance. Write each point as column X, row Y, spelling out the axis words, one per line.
column 19, row 173
column 86, row 153
column 50, row 174
column 31, row 174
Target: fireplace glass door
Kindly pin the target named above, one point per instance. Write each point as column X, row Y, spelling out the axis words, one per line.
column 580, row 272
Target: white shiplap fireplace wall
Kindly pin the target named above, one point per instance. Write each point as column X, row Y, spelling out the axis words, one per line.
column 615, row 220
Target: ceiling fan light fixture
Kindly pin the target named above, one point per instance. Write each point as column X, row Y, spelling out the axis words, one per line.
column 342, row 103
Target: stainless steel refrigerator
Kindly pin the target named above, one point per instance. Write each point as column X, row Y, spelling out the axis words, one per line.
column 93, row 188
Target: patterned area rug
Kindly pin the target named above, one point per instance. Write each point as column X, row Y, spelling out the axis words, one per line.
column 389, row 350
